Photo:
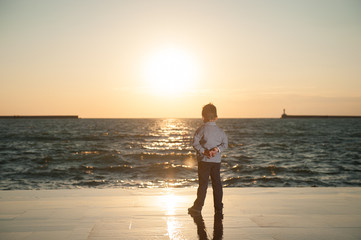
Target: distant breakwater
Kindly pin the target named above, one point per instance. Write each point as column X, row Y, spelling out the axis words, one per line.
column 42, row 117
column 284, row 115
column 317, row 116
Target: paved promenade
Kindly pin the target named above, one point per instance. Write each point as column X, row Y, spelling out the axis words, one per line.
column 250, row 213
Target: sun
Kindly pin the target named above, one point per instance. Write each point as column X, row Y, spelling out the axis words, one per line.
column 170, row 70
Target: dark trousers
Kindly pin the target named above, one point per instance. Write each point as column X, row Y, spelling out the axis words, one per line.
column 206, row 169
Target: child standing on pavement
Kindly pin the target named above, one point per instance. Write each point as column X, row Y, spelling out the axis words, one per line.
column 209, row 141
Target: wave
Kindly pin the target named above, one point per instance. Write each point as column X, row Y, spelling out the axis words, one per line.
column 158, row 153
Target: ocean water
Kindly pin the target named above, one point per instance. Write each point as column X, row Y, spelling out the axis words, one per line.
column 132, row 153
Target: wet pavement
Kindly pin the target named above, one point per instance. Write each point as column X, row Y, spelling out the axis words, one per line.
column 249, row 213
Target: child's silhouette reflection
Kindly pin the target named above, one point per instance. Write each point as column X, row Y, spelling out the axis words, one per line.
column 201, row 228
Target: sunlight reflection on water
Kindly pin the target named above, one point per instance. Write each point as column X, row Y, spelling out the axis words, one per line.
column 174, row 228
column 169, row 203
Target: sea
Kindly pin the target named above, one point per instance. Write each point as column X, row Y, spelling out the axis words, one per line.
column 158, row 153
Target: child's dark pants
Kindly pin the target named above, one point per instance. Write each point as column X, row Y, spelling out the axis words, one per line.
column 206, row 169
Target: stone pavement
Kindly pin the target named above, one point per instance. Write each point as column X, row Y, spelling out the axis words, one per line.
column 250, row 213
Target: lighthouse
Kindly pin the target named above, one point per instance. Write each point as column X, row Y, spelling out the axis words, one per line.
column 284, row 115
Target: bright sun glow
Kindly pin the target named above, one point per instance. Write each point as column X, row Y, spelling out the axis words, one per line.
column 170, row 71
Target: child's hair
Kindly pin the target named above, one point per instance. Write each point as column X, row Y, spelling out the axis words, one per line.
column 209, row 112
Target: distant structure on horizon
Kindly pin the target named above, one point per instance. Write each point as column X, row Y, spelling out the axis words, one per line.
column 284, row 115
column 41, row 117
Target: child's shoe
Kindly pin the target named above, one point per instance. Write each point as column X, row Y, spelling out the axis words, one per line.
column 194, row 211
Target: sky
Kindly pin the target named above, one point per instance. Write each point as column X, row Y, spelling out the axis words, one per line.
column 166, row 59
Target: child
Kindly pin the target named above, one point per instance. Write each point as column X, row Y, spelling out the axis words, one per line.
column 209, row 141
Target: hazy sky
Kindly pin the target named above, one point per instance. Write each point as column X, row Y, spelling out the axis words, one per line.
column 169, row 58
